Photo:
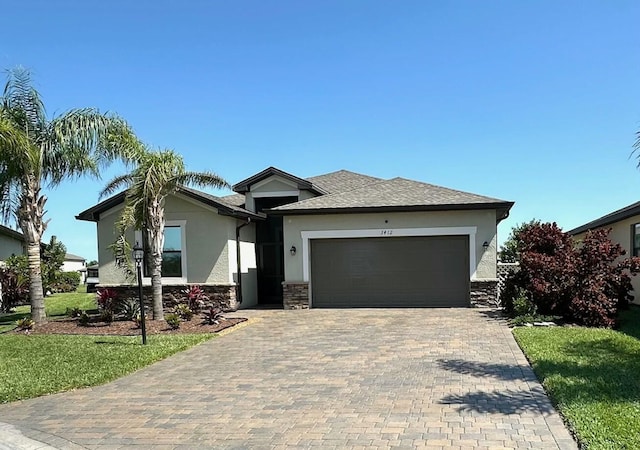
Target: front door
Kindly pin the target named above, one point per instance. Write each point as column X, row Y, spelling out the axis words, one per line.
column 270, row 251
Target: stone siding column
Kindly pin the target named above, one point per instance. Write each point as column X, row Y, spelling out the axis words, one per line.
column 295, row 295
column 484, row 293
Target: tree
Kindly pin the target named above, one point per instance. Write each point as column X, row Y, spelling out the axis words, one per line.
column 509, row 249
column 155, row 175
column 52, row 257
column 37, row 152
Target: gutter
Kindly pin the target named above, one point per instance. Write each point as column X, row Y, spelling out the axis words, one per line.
column 239, row 260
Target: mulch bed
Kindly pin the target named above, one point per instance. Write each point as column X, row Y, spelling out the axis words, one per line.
column 128, row 328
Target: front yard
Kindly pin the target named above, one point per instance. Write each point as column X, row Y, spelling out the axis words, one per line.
column 593, row 375
column 33, row 365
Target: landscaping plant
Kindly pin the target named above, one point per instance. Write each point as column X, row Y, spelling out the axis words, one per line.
column 107, row 300
column 183, row 311
column 213, row 315
column 129, row 308
column 584, row 283
column 25, row 324
column 173, row 320
column 196, row 298
column 14, row 287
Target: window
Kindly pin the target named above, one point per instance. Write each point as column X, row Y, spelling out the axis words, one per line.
column 173, row 255
column 636, row 239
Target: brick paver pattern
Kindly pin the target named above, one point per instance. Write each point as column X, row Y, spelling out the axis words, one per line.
column 358, row 379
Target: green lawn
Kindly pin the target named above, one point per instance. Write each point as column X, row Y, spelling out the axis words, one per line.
column 55, row 306
column 34, row 365
column 593, row 375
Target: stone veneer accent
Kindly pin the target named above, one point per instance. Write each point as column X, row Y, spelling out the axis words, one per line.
column 295, row 295
column 484, row 293
column 222, row 296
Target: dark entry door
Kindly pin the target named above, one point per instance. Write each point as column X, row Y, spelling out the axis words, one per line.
column 269, row 251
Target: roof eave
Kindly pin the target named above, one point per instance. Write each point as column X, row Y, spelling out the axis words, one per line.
column 504, row 207
column 606, row 220
column 93, row 214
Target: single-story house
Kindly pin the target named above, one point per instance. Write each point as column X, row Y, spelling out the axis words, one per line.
column 341, row 239
column 625, row 230
column 75, row 263
column 11, row 243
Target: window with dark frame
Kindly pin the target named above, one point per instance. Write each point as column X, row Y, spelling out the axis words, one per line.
column 636, row 239
column 171, row 253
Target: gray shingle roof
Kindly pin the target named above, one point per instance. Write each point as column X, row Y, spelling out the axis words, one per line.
column 234, row 199
column 395, row 194
column 72, row 257
column 342, row 181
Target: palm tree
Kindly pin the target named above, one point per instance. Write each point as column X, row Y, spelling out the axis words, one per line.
column 156, row 174
column 36, row 151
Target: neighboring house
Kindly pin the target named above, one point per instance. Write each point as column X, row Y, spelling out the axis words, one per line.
column 337, row 240
column 625, row 230
column 92, row 277
column 11, row 243
column 75, row 263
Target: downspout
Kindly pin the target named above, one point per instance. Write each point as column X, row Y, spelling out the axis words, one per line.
column 239, row 260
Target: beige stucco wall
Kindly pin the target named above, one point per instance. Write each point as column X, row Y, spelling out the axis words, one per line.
column 10, row 246
column 621, row 232
column 207, row 237
column 483, row 220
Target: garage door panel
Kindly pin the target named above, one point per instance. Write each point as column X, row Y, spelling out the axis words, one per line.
column 390, row 272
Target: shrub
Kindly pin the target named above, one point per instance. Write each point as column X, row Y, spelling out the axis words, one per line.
column 522, row 306
column 74, row 312
column 582, row 283
column 66, row 282
column 195, row 298
column 107, row 300
column 25, row 324
column 213, row 315
column 129, row 308
column 173, row 320
column 183, row 310
column 15, row 289
column 106, row 316
column 84, row 319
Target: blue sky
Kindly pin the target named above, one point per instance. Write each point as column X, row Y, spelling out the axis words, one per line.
column 534, row 102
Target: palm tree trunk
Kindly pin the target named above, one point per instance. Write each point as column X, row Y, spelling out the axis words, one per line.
column 30, row 214
column 36, row 295
column 155, row 230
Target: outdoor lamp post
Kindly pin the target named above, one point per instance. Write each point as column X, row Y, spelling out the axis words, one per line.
column 138, row 256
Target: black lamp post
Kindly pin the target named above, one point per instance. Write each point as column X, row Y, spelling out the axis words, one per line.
column 138, row 256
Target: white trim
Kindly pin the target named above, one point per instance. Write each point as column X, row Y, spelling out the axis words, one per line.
column 275, row 194
column 183, row 243
column 388, row 232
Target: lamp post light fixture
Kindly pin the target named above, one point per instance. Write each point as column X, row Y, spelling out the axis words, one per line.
column 138, row 256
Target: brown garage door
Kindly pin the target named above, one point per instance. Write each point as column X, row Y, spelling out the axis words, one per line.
column 424, row 271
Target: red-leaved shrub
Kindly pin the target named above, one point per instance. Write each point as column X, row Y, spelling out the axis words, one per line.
column 586, row 283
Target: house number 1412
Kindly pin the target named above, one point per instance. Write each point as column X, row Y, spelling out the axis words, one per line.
column 386, row 232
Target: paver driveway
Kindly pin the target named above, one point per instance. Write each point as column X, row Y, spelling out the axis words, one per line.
column 410, row 378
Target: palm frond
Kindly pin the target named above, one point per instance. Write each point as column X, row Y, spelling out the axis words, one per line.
column 201, row 179
column 116, row 183
column 23, row 102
